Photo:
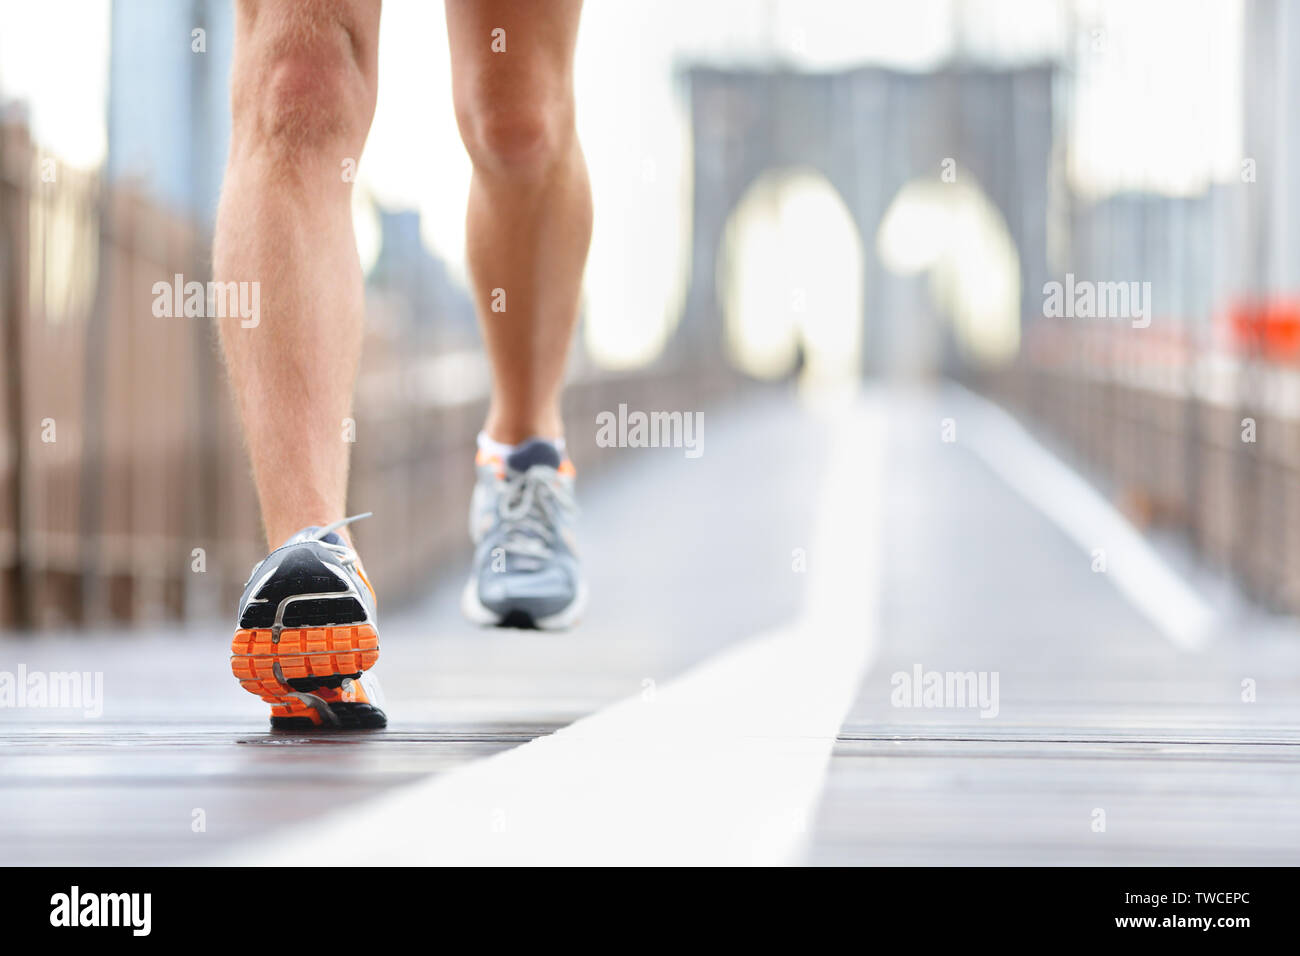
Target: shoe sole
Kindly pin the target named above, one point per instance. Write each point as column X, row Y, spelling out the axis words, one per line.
column 476, row 612
column 287, row 672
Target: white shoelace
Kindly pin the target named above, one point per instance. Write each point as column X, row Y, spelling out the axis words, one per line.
column 530, row 506
column 346, row 554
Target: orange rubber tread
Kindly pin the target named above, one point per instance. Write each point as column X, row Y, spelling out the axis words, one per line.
column 301, row 652
column 306, row 640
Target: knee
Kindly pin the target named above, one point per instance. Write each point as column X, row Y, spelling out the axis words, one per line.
column 518, row 138
column 301, row 91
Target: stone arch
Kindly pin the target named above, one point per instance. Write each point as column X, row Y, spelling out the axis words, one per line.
column 789, row 278
column 953, row 239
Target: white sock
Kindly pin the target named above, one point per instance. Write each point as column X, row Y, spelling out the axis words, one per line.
column 491, row 446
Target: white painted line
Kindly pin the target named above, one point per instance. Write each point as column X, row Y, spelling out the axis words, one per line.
column 725, row 765
column 1133, row 566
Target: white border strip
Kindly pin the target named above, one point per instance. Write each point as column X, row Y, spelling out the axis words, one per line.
column 1135, row 568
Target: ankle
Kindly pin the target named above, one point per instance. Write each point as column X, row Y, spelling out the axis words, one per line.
column 278, row 532
column 513, row 430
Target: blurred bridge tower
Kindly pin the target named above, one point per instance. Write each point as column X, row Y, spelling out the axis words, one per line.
column 869, row 131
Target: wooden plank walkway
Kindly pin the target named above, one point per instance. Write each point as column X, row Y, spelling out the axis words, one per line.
column 1096, row 710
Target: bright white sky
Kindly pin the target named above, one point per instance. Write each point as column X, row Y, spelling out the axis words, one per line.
column 1158, row 106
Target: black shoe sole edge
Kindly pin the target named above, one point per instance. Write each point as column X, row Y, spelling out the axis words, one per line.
column 350, row 717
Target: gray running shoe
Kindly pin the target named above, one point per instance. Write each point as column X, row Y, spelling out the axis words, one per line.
column 526, row 572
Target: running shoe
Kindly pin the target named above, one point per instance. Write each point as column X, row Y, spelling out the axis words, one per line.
column 307, row 635
column 526, row 572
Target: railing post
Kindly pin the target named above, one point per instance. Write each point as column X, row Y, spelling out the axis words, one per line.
column 15, row 160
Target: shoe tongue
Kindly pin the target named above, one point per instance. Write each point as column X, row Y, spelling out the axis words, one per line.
column 535, row 451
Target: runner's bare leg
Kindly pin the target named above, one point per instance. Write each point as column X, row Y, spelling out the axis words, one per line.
column 529, row 220
column 303, row 87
